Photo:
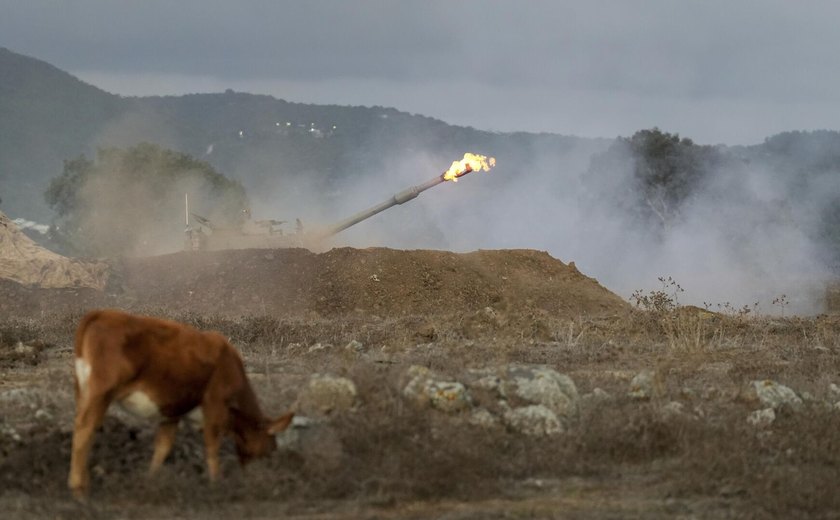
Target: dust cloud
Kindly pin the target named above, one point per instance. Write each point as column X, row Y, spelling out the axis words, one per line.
column 746, row 237
column 748, row 234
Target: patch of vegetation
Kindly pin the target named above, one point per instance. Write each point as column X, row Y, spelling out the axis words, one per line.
column 130, row 201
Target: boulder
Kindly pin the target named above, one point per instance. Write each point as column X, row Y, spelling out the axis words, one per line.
column 774, row 395
column 596, row 397
column 426, row 388
column 482, row 417
column 535, row 420
column 762, row 418
column 641, row 387
column 326, row 394
column 541, row 385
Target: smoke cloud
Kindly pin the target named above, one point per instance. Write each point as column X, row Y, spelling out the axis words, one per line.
column 747, row 235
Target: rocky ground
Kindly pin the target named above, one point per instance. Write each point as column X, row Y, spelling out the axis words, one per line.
column 496, row 384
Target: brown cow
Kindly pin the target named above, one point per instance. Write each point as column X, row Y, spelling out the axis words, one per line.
column 164, row 370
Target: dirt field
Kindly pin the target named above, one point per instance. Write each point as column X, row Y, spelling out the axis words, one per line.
column 670, row 413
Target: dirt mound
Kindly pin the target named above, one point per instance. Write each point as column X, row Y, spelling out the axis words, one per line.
column 380, row 281
column 345, row 281
column 25, row 262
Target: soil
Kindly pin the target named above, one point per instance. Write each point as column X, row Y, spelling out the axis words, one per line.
column 297, row 282
column 684, row 451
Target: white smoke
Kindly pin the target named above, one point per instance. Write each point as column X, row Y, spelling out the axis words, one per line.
column 740, row 239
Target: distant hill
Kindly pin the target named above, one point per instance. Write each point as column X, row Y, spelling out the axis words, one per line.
column 48, row 116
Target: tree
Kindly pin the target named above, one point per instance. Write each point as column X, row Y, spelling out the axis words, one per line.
column 657, row 172
column 131, row 201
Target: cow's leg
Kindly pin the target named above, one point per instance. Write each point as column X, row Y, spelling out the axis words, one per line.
column 213, row 432
column 89, row 413
column 163, row 444
column 216, row 418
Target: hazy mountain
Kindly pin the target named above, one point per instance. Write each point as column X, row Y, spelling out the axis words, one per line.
column 48, row 116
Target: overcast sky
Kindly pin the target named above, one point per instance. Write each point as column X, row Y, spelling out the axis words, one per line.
column 728, row 72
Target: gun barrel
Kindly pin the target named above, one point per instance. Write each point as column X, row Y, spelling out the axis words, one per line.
column 398, row 198
column 402, row 197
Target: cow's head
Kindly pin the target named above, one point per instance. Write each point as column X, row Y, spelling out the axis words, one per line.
column 255, row 440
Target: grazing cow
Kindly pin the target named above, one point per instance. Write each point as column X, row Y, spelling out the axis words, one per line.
column 164, row 370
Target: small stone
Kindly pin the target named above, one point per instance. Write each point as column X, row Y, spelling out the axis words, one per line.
column 22, row 349
column 491, row 383
column 534, row 420
column 775, row 395
column 426, row 388
column 673, row 409
column 448, row 396
column 641, row 387
column 318, row 347
column 354, row 346
column 762, row 418
column 325, row 394
column 542, row 385
column 482, row 417
column 596, row 397
column 598, row 393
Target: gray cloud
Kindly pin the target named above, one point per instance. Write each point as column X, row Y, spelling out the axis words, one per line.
column 715, row 70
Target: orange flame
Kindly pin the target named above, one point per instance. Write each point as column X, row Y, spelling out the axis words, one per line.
column 470, row 163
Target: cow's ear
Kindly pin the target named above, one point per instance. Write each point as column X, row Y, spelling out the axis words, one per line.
column 281, row 423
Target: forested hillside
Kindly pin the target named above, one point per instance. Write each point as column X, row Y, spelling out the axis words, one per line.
column 48, row 116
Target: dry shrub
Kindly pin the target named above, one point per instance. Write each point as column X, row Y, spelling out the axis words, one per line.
column 627, row 432
column 789, row 470
column 21, row 342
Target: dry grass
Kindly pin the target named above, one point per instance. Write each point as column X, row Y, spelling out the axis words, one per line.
column 387, row 452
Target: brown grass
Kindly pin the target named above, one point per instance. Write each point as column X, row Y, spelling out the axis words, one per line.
column 386, row 452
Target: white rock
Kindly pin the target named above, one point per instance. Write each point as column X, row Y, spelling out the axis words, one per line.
column 762, row 418
column 354, row 346
column 318, row 347
column 543, row 386
column 426, row 388
column 326, row 393
column 774, row 395
column 535, row 420
column 21, row 348
column 596, row 397
column 482, row 417
column 447, row 396
column 601, row 395
column 673, row 409
column 492, row 383
column 641, row 387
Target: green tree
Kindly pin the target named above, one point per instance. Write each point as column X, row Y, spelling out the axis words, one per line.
column 656, row 171
column 131, row 201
